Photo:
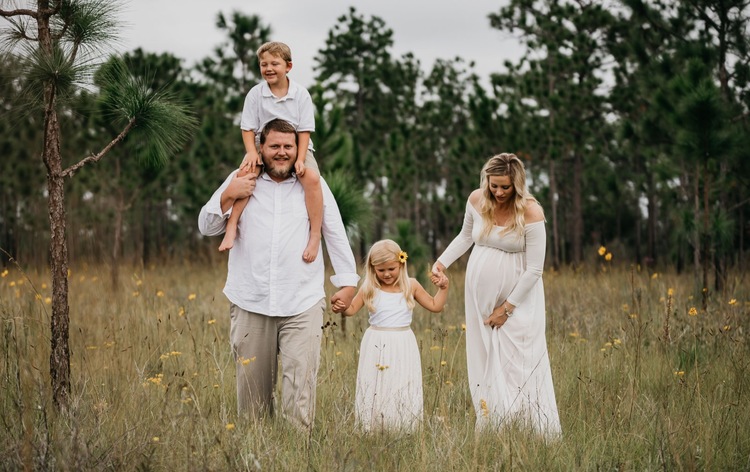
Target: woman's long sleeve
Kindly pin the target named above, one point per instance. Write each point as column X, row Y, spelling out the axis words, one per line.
column 536, row 248
column 462, row 242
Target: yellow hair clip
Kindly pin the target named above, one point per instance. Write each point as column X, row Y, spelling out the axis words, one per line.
column 402, row 256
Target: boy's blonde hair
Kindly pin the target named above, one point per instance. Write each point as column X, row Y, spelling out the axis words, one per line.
column 383, row 251
column 502, row 165
column 277, row 49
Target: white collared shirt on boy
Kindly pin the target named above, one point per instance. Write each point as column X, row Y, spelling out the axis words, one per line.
column 262, row 106
column 266, row 273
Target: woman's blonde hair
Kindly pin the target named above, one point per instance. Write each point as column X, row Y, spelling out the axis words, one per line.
column 381, row 252
column 505, row 164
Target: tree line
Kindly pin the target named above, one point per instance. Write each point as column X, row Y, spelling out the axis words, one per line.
column 631, row 118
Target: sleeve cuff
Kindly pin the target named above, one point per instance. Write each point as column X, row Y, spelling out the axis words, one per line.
column 345, row 280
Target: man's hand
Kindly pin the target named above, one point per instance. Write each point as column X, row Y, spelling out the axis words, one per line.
column 341, row 300
column 238, row 188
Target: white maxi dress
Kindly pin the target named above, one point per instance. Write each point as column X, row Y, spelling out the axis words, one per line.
column 508, row 367
column 389, row 376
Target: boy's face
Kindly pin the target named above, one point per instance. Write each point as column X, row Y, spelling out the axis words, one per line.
column 274, row 68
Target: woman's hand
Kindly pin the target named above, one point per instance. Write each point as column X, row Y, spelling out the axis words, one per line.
column 500, row 315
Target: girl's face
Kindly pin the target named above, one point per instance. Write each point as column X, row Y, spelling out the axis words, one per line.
column 388, row 272
column 501, row 188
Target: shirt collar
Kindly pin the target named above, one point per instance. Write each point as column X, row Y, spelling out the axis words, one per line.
column 265, row 90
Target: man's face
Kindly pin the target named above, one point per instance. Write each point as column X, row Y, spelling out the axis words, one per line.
column 279, row 154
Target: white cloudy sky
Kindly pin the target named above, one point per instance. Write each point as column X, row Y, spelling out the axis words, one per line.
column 428, row 28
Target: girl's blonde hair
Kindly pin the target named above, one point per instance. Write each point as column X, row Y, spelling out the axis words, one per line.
column 381, row 252
column 502, row 165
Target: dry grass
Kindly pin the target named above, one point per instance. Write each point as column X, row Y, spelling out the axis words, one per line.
column 641, row 384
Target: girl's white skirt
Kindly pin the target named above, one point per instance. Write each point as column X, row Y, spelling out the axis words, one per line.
column 389, row 381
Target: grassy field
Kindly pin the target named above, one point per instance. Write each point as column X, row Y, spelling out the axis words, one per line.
column 647, row 377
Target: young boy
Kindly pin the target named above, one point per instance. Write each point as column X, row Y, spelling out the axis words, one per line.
column 280, row 97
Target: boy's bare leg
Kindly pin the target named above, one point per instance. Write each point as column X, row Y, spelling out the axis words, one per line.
column 230, row 234
column 314, row 202
column 231, row 231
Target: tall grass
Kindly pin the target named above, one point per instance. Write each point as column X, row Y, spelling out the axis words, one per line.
column 641, row 383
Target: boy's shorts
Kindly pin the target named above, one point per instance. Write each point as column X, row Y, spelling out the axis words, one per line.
column 310, row 161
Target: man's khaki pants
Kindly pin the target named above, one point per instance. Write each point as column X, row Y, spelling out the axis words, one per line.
column 258, row 343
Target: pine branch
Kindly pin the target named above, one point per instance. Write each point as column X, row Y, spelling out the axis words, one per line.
column 96, row 157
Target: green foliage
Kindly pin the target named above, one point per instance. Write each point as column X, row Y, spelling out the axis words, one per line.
column 353, row 206
column 158, row 121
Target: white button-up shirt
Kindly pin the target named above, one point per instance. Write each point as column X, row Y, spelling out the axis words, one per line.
column 266, row 273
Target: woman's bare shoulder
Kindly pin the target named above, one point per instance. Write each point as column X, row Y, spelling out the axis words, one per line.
column 475, row 197
column 534, row 212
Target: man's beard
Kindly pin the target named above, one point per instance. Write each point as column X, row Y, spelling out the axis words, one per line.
column 276, row 172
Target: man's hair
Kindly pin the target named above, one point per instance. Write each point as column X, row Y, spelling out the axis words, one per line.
column 281, row 126
column 277, row 49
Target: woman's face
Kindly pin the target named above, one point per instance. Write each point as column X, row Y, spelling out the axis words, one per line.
column 501, row 188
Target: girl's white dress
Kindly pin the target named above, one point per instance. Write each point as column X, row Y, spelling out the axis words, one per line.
column 508, row 367
column 389, row 376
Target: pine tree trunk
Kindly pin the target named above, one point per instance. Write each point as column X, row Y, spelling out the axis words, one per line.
column 59, row 364
column 577, row 208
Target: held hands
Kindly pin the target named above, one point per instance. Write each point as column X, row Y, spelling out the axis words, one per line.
column 341, row 300
column 441, row 281
column 437, row 275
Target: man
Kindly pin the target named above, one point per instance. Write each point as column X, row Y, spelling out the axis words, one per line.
column 277, row 299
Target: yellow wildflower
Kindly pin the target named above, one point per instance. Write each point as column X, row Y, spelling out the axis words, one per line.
column 192, row 296
column 692, row 311
column 679, row 373
column 338, row 353
column 602, row 250
column 229, row 426
column 483, row 407
column 443, row 363
column 608, row 257
column 4, row 274
column 48, row 301
column 159, row 293
column 655, row 275
column 155, row 439
column 448, row 383
column 670, row 292
column 211, row 321
column 12, row 283
column 733, row 301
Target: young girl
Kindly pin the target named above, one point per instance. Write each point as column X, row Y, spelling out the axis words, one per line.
column 389, row 376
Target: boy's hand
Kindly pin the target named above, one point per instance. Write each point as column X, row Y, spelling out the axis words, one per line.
column 299, row 168
column 251, row 161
